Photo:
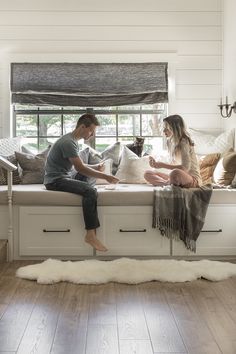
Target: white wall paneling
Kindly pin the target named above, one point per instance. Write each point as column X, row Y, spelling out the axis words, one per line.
column 203, row 48
column 56, row 30
column 229, row 67
column 107, row 5
column 109, row 18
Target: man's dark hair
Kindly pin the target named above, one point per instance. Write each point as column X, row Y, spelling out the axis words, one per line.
column 87, row 119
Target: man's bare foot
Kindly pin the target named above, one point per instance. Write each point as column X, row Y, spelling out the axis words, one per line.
column 94, row 242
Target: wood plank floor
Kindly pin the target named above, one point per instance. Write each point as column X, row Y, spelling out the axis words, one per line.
column 197, row 317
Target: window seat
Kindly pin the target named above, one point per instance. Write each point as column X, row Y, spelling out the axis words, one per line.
column 50, row 224
column 123, row 195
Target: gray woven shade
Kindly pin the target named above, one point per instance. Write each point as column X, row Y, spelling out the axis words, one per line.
column 89, row 84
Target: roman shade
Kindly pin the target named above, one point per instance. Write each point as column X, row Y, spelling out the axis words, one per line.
column 89, row 84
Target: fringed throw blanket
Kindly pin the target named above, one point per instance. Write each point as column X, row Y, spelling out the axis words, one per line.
column 180, row 212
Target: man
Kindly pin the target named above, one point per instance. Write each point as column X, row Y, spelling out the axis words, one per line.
column 58, row 174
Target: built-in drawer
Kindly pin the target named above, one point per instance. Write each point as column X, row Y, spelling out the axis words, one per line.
column 218, row 236
column 49, row 231
column 128, row 231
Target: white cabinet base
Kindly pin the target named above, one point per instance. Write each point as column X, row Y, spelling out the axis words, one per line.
column 219, row 238
column 127, row 231
column 52, row 231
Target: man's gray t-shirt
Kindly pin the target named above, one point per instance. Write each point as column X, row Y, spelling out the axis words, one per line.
column 58, row 164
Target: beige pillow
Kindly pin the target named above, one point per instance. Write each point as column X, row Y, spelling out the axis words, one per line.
column 33, row 166
column 207, row 165
column 225, row 169
column 131, row 168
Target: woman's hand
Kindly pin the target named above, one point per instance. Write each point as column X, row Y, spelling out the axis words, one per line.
column 155, row 164
column 152, row 161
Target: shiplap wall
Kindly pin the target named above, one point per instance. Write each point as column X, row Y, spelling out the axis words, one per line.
column 190, row 28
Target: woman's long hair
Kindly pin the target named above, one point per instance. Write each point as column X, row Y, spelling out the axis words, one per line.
column 178, row 128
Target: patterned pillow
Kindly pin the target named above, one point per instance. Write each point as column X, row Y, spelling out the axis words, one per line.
column 32, row 166
column 15, row 174
column 207, row 165
column 210, row 144
column 131, row 168
column 92, row 157
column 8, row 146
column 225, row 169
column 233, row 184
column 111, row 152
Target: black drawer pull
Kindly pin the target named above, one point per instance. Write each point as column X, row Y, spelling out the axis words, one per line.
column 66, row 230
column 219, row 230
column 130, row 230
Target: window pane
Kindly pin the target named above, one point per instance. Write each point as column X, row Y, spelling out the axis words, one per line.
column 107, row 125
column 49, row 125
column 152, row 124
column 153, row 146
column 125, row 141
column 70, row 121
column 31, row 144
column 129, row 124
column 104, row 108
column 26, row 125
column 44, row 142
column 128, row 108
column 102, row 143
column 49, row 108
column 76, row 108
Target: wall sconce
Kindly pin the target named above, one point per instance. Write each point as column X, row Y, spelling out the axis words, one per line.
column 226, row 109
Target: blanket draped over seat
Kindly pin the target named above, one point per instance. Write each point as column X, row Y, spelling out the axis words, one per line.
column 179, row 213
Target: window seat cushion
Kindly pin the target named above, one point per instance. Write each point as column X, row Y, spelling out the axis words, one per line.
column 124, row 194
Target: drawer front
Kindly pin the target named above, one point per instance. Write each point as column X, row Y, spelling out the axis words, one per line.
column 218, row 236
column 128, row 231
column 52, row 231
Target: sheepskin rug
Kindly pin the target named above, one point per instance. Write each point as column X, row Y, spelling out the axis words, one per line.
column 125, row 270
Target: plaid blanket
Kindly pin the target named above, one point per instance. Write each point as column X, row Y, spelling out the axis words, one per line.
column 180, row 212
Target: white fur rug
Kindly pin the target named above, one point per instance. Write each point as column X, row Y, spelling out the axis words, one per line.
column 125, row 270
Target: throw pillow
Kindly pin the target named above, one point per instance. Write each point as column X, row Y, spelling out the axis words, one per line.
column 207, row 165
column 8, row 146
column 15, row 174
column 225, row 169
column 32, row 166
column 92, row 157
column 131, row 168
column 210, row 144
column 233, row 184
column 111, row 152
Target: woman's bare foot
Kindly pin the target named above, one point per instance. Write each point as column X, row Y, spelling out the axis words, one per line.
column 94, row 242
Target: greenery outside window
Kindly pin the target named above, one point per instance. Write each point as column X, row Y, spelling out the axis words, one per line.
column 41, row 126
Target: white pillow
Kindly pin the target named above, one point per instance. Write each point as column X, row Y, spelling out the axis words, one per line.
column 112, row 152
column 209, row 144
column 131, row 168
column 8, row 146
column 88, row 156
column 108, row 169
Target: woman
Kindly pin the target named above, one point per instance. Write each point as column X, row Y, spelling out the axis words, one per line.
column 184, row 169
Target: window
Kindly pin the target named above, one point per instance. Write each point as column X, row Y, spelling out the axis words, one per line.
column 41, row 126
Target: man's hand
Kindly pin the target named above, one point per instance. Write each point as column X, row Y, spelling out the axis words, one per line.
column 99, row 166
column 112, row 179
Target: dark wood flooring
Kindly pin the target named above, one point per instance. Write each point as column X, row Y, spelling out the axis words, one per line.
column 197, row 317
